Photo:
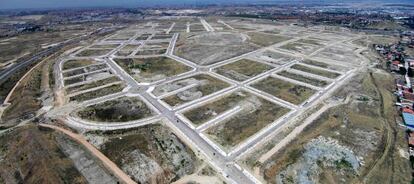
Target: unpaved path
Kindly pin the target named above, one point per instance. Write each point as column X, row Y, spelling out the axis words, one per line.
column 105, row 160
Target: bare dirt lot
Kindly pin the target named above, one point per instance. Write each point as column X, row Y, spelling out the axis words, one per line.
column 118, row 110
column 211, row 47
column 203, row 85
column 152, row 69
column 242, row 70
column 284, row 90
column 256, row 114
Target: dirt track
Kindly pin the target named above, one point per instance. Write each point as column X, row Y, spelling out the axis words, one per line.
column 108, row 163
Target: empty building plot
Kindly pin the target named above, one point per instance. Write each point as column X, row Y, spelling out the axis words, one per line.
column 242, row 70
column 156, row 45
column 143, row 37
column 77, row 63
column 86, row 69
column 189, row 89
column 87, row 77
column 162, row 36
column 104, row 46
column 263, row 39
column 148, row 154
column 92, row 84
column 253, row 114
column 93, row 52
column 290, row 92
column 303, row 46
column 325, row 65
column 127, row 50
column 179, row 27
column 333, row 36
column 118, row 110
column 303, row 78
column 98, row 93
column 340, row 52
column 240, row 26
column 211, row 47
column 275, row 58
column 316, row 71
column 197, row 27
column 121, row 36
column 152, row 68
column 151, row 52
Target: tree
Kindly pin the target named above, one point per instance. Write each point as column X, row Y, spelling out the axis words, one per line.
column 410, row 72
column 403, row 71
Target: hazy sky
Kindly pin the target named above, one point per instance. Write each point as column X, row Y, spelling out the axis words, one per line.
column 17, row 4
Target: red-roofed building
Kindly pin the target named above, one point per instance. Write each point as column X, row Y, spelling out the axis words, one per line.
column 408, row 95
column 408, row 110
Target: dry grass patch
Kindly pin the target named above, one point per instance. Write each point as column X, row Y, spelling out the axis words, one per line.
column 242, row 70
column 284, row 90
column 152, row 69
column 315, row 71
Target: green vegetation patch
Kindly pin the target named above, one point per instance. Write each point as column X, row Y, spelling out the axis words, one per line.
column 242, row 70
column 284, row 90
column 119, row 110
column 315, row 71
column 152, row 69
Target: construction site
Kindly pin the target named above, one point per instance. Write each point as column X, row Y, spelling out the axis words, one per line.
column 210, row 100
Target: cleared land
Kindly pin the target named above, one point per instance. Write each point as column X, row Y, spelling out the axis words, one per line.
column 98, row 93
column 325, row 65
column 93, row 52
column 301, row 78
column 284, row 90
column 78, row 63
column 315, row 71
column 300, row 47
column 84, row 70
column 262, row 39
column 104, row 46
column 256, row 113
column 242, row 70
column 119, row 110
column 152, row 69
column 211, row 47
column 92, row 84
column 149, row 154
column 204, row 85
column 151, row 52
column 127, row 50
